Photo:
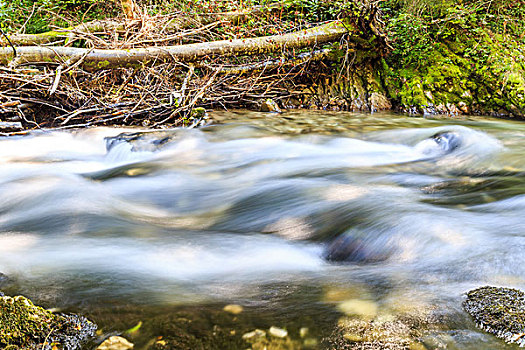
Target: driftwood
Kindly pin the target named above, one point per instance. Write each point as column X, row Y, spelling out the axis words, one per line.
column 93, row 59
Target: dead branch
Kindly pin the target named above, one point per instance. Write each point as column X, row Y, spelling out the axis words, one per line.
column 100, row 59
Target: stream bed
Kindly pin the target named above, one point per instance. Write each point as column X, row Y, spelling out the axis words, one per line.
column 343, row 229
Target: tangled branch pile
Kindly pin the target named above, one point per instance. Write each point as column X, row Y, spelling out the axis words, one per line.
column 162, row 70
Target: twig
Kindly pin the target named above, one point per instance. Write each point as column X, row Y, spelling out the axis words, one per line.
column 56, row 81
column 9, row 41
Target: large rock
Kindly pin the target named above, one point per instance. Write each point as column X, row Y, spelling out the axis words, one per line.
column 26, row 326
column 500, row 311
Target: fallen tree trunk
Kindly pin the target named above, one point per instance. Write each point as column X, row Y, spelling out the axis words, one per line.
column 93, row 59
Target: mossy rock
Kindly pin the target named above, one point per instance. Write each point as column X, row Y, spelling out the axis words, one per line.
column 499, row 311
column 26, row 326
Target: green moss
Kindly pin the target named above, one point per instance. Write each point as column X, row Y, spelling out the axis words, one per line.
column 103, row 64
column 24, row 325
column 456, row 60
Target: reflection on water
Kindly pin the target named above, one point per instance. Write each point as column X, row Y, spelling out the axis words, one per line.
column 307, row 220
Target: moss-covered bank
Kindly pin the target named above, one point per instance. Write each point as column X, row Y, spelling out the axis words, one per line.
column 26, row 326
column 461, row 58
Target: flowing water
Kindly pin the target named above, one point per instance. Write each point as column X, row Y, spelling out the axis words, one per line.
column 307, row 220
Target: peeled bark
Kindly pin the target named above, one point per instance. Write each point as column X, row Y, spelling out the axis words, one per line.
column 93, row 59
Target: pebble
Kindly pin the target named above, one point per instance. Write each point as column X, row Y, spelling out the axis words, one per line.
column 233, row 309
column 278, row 332
column 303, row 332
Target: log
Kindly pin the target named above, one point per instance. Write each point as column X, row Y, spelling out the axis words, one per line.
column 93, row 59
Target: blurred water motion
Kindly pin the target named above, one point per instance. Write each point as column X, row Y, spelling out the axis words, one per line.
column 405, row 206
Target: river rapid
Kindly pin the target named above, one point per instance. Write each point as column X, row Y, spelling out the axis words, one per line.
column 306, row 219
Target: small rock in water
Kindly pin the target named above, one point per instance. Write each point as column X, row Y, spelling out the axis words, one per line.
column 352, row 249
column 310, row 343
column 278, row 332
column 270, row 105
column 500, row 311
column 363, row 308
column 233, row 309
column 115, row 343
column 258, row 333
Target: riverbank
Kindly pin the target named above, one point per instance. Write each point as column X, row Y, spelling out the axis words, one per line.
column 161, row 67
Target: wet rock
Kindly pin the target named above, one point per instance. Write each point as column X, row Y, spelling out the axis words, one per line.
column 148, row 141
column 401, row 330
column 373, row 335
column 24, row 325
column 448, row 141
column 499, row 311
column 115, row 343
column 363, row 308
column 348, row 248
column 270, row 105
column 379, row 102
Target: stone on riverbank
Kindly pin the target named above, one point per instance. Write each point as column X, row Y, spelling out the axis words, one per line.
column 24, row 325
column 499, row 311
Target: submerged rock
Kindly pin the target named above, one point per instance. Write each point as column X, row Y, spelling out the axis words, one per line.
column 448, row 141
column 347, row 248
column 278, row 332
column 500, row 311
column 145, row 141
column 24, row 325
column 115, row 343
column 233, row 309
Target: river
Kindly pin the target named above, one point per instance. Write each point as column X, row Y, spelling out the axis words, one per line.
column 315, row 222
